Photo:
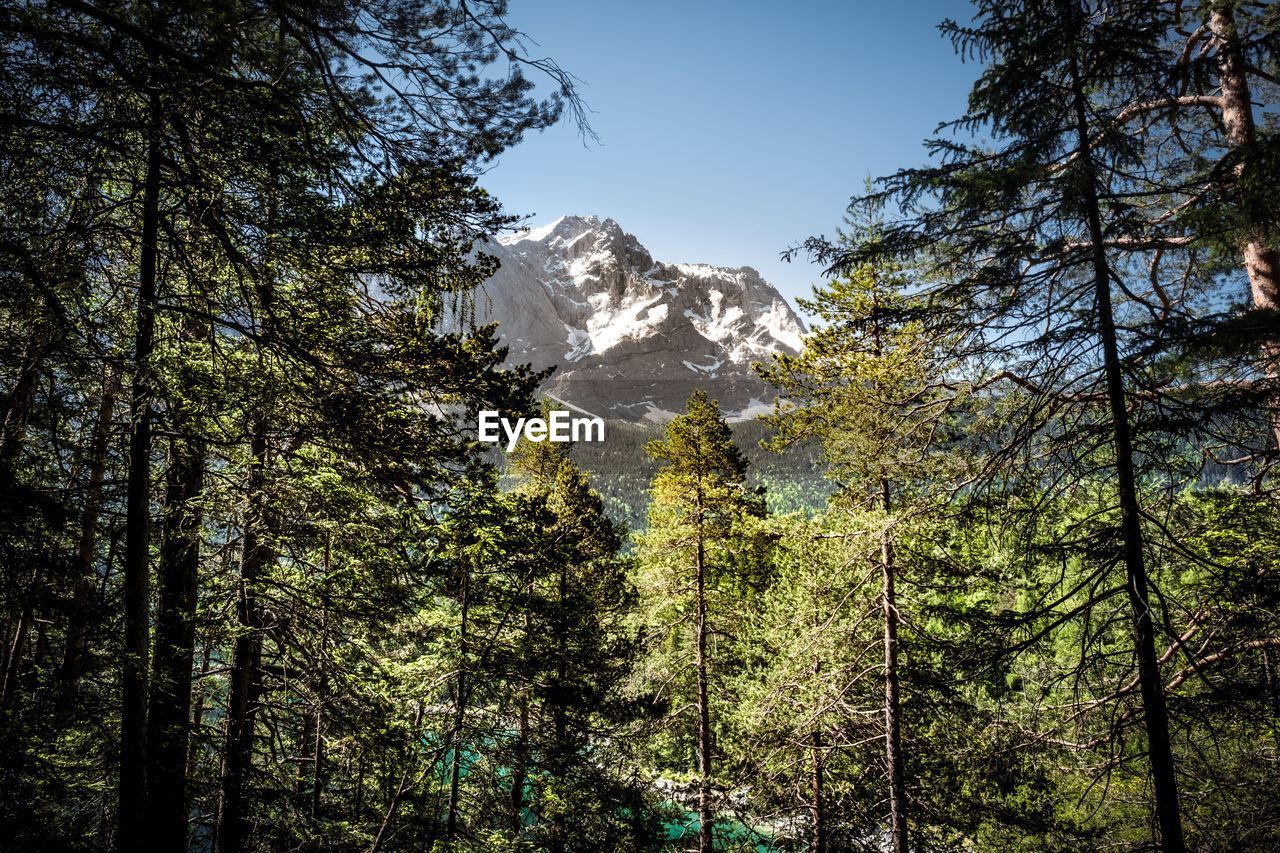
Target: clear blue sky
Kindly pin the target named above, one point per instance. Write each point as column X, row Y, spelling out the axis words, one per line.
column 731, row 130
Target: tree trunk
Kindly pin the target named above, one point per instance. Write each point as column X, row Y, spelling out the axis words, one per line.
column 560, row 713
column 245, row 672
column 86, row 545
column 197, row 712
column 13, row 659
column 169, row 709
column 892, row 699
column 818, row 841
column 322, row 688
column 131, row 827
column 459, row 711
column 1274, row 696
column 1261, row 260
column 317, row 759
column 1159, row 750
column 246, row 657
column 704, row 714
column 19, row 410
column 520, row 762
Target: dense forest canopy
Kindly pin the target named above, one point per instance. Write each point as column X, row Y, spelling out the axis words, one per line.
column 1001, row 571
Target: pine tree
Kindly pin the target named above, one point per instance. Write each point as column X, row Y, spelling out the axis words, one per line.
column 699, row 567
column 243, row 183
column 1220, row 54
column 1033, row 235
column 809, row 722
column 573, row 657
column 870, row 385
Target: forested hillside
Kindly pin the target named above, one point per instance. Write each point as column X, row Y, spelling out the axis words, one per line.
column 793, row 480
column 1000, row 570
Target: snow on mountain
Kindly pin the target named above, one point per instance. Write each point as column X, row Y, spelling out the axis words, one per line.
column 631, row 337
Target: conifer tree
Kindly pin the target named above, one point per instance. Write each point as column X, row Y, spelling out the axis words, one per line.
column 576, row 654
column 869, row 385
column 809, row 722
column 1034, row 235
column 248, row 172
column 700, row 567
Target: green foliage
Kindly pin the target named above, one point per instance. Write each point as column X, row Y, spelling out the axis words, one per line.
column 702, row 564
column 360, row 636
column 792, row 478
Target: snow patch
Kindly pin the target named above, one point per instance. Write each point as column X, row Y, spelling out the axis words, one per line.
column 631, row 320
column 708, row 369
column 658, row 416
column 579, row 343
column 530, row 234
column 751, row 411
column 781, row 326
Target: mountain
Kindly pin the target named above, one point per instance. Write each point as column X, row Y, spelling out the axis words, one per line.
column 631, row 337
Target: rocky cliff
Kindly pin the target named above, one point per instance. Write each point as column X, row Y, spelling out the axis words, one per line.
column 631, row 337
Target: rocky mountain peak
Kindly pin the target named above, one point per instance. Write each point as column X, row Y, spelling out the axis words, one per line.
column 630, row 336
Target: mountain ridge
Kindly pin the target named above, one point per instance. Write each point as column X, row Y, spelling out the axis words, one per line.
column 630, row 336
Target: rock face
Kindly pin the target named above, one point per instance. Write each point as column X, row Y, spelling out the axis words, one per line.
column 631, row 337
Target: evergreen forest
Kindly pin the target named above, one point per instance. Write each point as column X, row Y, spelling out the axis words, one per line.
column 999, row 572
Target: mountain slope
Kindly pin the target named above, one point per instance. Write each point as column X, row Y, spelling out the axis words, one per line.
column 631, row 337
